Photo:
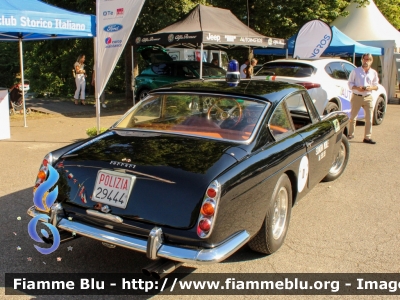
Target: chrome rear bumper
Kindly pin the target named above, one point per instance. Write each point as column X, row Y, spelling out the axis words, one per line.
column 153, row 245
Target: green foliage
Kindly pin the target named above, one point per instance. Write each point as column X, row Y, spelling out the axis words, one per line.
column 48, row 64
column 92, row 131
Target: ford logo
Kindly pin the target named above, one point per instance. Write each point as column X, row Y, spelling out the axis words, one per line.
column 112, row 27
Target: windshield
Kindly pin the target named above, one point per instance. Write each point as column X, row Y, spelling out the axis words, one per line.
column 287, row 69
column 217, row 117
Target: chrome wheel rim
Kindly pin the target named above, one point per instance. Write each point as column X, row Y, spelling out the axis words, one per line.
column 339, row 160
column 280, row 213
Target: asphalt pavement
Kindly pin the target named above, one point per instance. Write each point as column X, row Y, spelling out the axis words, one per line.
column 350, row 225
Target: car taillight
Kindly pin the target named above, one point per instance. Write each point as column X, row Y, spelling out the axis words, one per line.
column 309, row 85
column 43, row 170
column 208, row 209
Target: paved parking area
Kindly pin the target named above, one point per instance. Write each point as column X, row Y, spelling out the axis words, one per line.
column 347, row 226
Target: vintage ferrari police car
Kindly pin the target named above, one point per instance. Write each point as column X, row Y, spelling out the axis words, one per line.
column 195, row 171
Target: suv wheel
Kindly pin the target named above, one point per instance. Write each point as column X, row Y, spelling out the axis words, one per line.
column 331, row 107
column 379, row 111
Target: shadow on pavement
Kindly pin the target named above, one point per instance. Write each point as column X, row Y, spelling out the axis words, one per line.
column 69, row 109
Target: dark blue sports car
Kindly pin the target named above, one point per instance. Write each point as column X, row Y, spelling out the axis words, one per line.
column 195, row 171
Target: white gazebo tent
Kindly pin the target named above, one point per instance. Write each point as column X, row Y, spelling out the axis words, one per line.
column 368, row 26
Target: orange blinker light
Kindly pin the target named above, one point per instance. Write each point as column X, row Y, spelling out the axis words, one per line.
column 208, row 209
column 42, row 175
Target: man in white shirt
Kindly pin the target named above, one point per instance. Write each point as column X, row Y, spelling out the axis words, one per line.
column 243, row 67
column 362, row 81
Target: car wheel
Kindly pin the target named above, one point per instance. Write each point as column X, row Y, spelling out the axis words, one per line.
column 274, row 228
column 379, row 111
column 340, row 161
column 143, row 94
column 331, row 107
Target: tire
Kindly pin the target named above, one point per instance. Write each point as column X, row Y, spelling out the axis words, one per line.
column 379, row 111
column 143, row 94
column 340, row 161
column 274, row 228
column 330, row 107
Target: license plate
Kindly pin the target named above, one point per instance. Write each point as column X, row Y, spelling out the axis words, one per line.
column 113, row 188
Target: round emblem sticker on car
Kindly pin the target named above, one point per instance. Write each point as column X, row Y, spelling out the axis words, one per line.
column 303, row 174
column 170, row 38
column 138, row 39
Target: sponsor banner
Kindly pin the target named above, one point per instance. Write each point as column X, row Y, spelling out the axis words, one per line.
column 167, row 39
column 203, row 284
column 115, row 21
column 63, row 24
column 222, row 38
column 312, row 39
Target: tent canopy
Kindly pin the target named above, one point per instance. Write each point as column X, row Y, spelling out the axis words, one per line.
column 341, row 45
column 368, row 26
column 374, row 24
column 211, row 26
column 36, row 20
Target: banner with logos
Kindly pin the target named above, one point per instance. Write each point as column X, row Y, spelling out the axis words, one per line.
column 206, row 37
column 115, row 21
column 312, row 39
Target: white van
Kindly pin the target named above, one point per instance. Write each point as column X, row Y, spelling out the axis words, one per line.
column 194, row 54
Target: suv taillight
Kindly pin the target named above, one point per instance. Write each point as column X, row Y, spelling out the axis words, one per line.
column 309, row 85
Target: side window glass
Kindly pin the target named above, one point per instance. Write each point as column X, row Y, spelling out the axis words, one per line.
column 298, row 111
column 336, row 71
column 348, row 68
column 162, row 69
column 279, row 123
column 311, row 108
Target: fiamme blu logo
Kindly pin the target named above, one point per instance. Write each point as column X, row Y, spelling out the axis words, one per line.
column 44, row 199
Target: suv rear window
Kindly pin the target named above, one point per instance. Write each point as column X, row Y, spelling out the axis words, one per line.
column 288, row 69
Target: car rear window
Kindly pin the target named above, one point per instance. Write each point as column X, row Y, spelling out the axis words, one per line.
column 209, row 116
column 287, row 69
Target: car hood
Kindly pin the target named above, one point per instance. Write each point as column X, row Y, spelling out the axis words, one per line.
column 172, row 173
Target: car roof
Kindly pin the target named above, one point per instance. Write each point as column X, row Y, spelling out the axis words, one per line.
column 266, row 90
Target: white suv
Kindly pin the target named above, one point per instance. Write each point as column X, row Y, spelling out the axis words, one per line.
column 326, row 80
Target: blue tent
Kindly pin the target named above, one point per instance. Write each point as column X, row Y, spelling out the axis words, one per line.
column 341, row 45
column 35, row 20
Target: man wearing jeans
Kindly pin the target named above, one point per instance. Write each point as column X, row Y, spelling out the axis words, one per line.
column 362, row 81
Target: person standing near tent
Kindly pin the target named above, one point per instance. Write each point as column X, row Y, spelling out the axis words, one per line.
column 243, row 67
column 250, row 68
column 80, row 79
column 102, row 96
column 362, row 81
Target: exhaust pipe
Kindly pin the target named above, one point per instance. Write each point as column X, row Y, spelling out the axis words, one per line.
column 165, row 269
column 161, row 268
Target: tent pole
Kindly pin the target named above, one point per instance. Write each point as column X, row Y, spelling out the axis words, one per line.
column 201, row 61
column 96, row 85
column 133, row 76
column 21, row 61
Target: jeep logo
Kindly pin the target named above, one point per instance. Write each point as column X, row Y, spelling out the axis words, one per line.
column 212, row 37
